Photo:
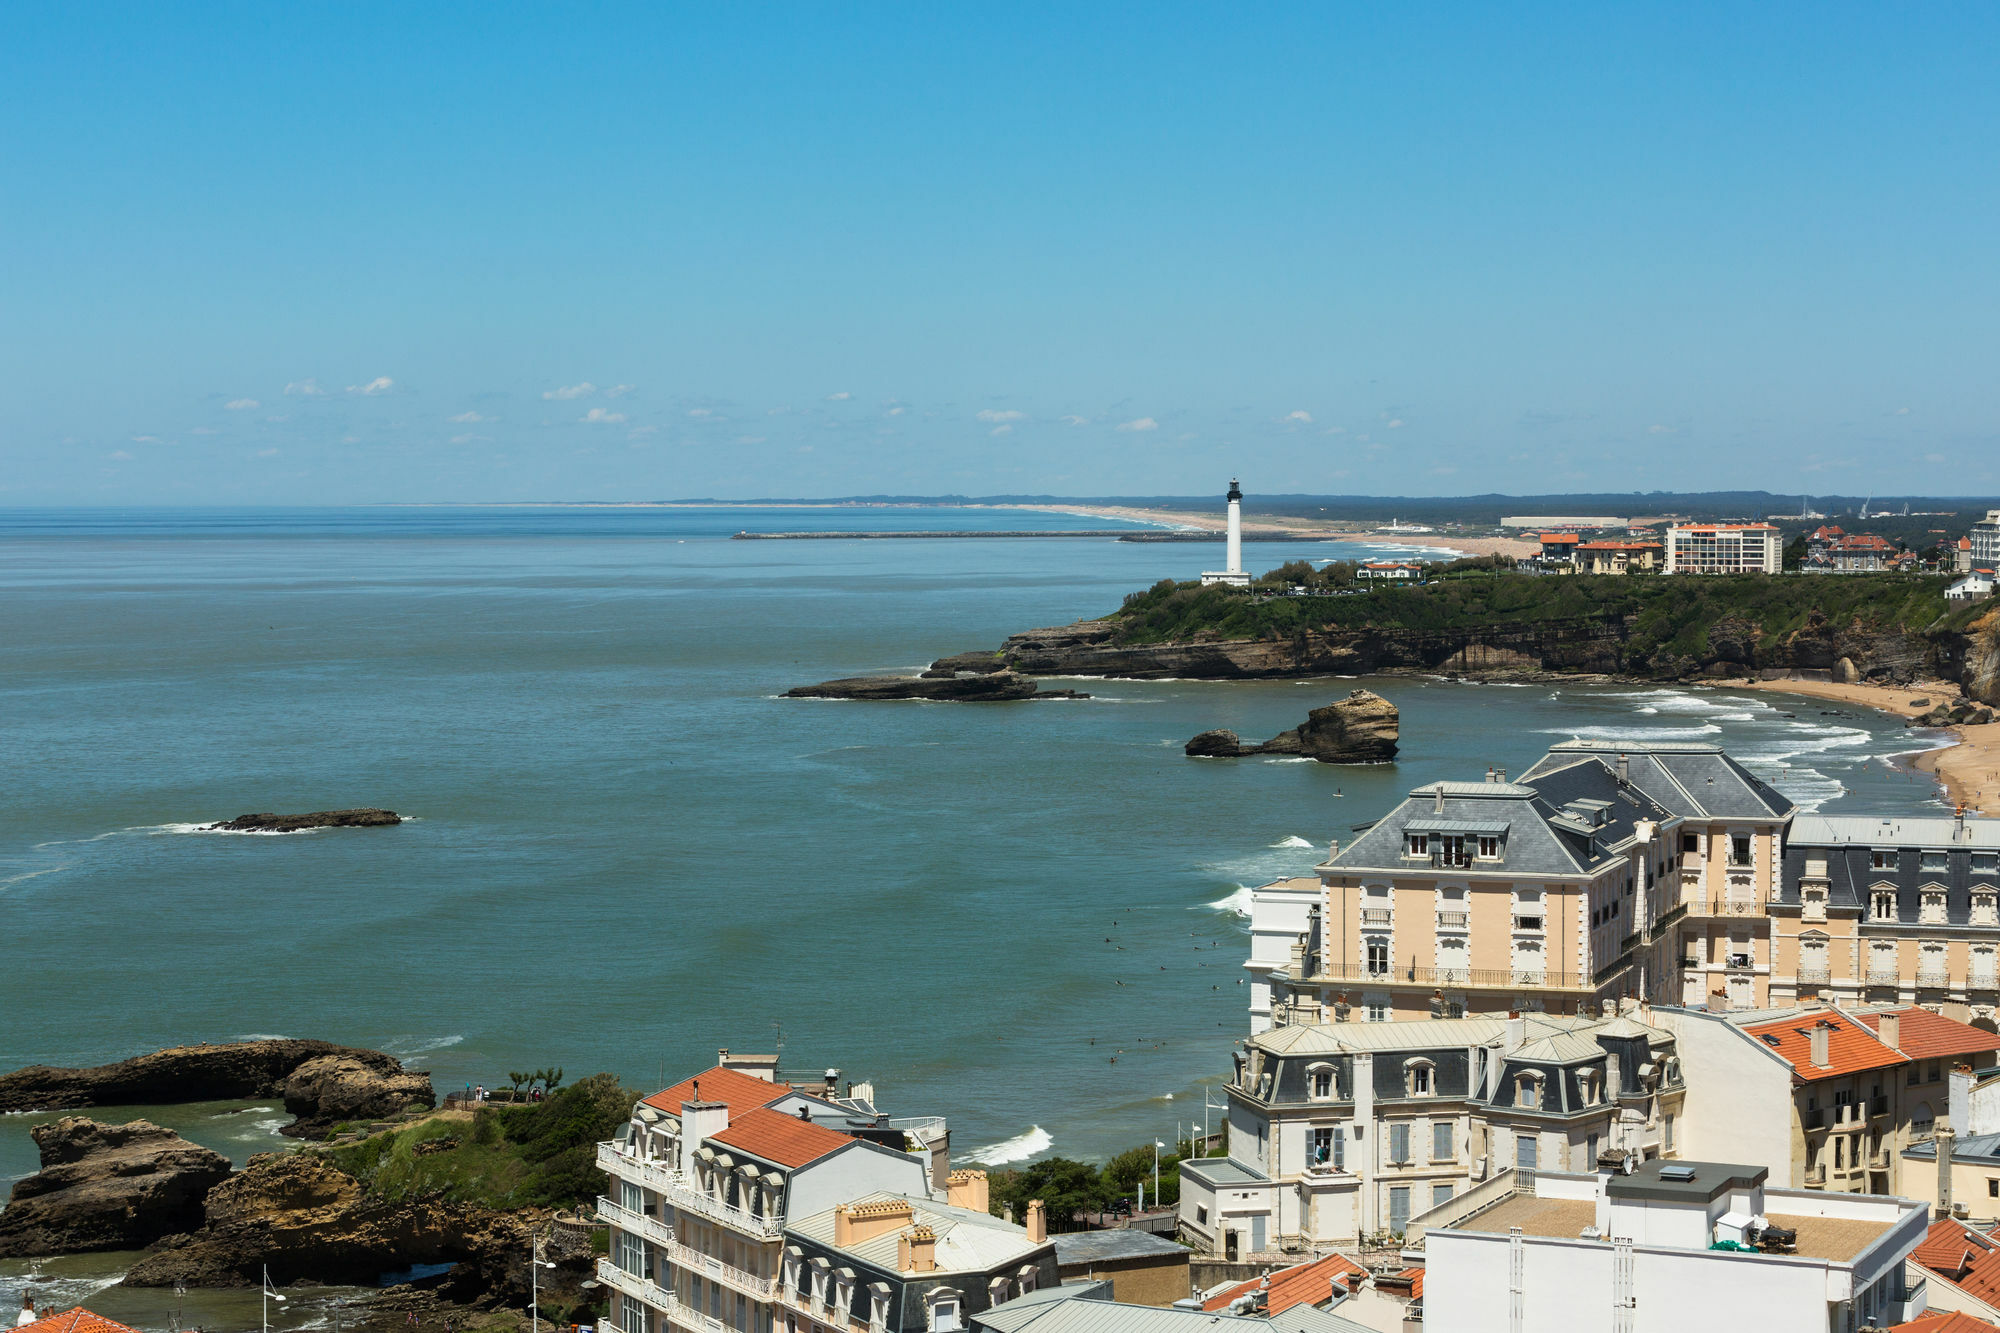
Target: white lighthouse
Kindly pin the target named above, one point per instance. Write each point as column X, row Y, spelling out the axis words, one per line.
column 1232, row 576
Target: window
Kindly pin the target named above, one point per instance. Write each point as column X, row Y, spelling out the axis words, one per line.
column 1489, row 847
column 1882, row 858
column 1201, row 1214
column 1934, row 1071
column 1417, row 1078
column 1934, row 861
column 1378, row 957
column 1739, row 850
column 1933, row 906
column 1441, row 1146
column 1440, row 1194
column 1839, row 1151
column 1339, row 1149
column 1528, row 1091
column 1399, row 1208
column 1375, row 1008
column 1983, row 913
column 1322, row 1082
column 1883, row 905
column 1399, row 1144
column 1590, row 1153
column 1922, row 1122
column 1992, row 1188
column 1690, row 844
column 1667, row 1134
column 1451, row 851
column 1321, row 1148
column 1419, row 844
column 1986, row 864
column 1524, row 1152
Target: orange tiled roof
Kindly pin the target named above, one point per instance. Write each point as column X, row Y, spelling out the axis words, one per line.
column 1618, row 546
column 1559, row 538
column 1301, row 1284
column 1416, row 1276
column 1929, row 1036
column 78, row 1320
column 739, row 1092
column 1967, row 1258
column 1965, row 543
column 1943, row 1321
column 777, row 1137
column 1850, row 1048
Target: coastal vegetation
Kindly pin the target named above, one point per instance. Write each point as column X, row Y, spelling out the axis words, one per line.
column 1068, row 1187
column 535, row 1154
column 1663, row 617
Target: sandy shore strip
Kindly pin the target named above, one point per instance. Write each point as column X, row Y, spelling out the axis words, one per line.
column 1968, row 768
column 1208, row 521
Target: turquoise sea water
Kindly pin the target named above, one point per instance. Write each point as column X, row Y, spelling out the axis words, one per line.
column 625, row 852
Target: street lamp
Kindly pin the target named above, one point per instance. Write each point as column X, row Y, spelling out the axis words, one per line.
column 535, row 1266
column 1157, row 1145
column 268, row 1297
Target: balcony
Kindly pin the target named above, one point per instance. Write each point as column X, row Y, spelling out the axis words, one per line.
column 1815, row 974
column 1491, row 978
column 1814, row 1119
column 1886, row 975
column 1453, row 920
column 925, row 1129
column 1532, row 925
column 715, row 1270
column 1878, row 1107
column 682, row 1192
column 1936, row 978
column 638, row 1224
column 1377, row 916
column 1984, row 980
column 1726, row 907
column 616, row 1278
column 1846, row 1115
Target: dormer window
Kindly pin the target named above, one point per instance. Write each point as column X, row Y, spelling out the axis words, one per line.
column 1933, row 906
column 1882, row 905
column 1320, row 1082
column 1882, row 858
column 1528, row 1091
column 1934, row 862
column 1591, row 1082
column 1983, row 908
column 1419, row 845
column 1419, row 1077
column 1985, row 865
column 1489, row 847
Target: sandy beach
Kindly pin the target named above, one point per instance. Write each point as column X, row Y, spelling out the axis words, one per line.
column 1211, row 521
column 1969, row 768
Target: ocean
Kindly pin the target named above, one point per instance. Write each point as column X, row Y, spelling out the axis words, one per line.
column 625, row 852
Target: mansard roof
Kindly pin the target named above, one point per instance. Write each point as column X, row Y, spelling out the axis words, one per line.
column 1693, row 781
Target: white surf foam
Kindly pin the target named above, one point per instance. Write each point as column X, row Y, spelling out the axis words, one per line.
column 420, row 1045
column 1294, row 841
column 1017, row 1149
column 160, row 829
column 1635, row 734
column 1236, row 904
column 262, row 1036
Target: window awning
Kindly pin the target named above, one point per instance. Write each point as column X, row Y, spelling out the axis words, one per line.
column 1494, row 826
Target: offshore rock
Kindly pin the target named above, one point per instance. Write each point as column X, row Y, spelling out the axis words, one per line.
column 1363, row 728
column 233, row 1072
column 986, row 687
column 324, row 1091
column 270, row 823
column 107, row 1187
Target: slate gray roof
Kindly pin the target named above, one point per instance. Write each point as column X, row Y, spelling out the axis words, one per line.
column 1076, row 1315
column 1559, row 1038
column 1687, row 778
column 1097, row 1247
column 1894, row 831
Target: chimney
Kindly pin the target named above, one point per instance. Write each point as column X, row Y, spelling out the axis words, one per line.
column 1817, row 1035
column 916, row 1250
column 1502, row 772
column 843, row 1227
column 1890, row 1030
column 866, row 1221
column 967, row 1189
column 1624, row 771
column 832, row 1081
column 1614, row 1083
column 700, row 1121
column 1437, row 806
column 1038, row 1223
column 1947, row 1139
column 1007, row 1213
column 1517, row 1031
column 1958, row 1095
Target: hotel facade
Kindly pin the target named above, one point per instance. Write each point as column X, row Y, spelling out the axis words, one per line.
column 1724, row 548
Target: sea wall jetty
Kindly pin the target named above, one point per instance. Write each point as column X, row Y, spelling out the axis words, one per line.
column 107, row 1187
column 321, row 1083
column 274, row 823
column 1363, row 728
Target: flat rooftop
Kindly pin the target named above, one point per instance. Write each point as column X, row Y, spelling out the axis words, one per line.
column 1836, row 1239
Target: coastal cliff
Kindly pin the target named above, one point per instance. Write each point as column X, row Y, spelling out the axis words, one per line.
column 107, row 1187
column 1888, row 630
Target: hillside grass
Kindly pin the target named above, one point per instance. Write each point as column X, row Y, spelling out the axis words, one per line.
column 541, row 1154
column 1665, row 615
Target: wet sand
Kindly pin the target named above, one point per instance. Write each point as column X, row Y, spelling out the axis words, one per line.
column 1968, row 769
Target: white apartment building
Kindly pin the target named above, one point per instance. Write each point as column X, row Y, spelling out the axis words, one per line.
column 1638, row 1253
column 708, row 1175
column 1985, row 536
column 1724, row 548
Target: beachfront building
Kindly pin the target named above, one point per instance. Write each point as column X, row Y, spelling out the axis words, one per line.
column 1559, row 550
column 1671, row 1243
column 1340, row 1131
column 1397, row 571
column 1984, row 542
column 1889, row 909
column 1849, row 553
column 1724, row 548
column 1824, row 1098
column 1602, row 872
column 707, row 1175
column 1974, row 586
column 1232, row 575
column 1613, row 557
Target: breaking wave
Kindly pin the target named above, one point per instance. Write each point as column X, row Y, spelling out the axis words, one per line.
column 1236, row 904
column 1017, row 1149
column 1295, row 841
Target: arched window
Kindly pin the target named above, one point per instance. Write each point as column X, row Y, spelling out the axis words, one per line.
column 1321, row 1083
column 1419, row 1077
column 1923, row 1122
column 1528, row 1090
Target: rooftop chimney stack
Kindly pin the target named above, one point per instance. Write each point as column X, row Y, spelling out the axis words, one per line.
column 1624, row 770
column 1947, row 1139
column 1038, row 1223
column 1817, row 1036
column 1891, row 1030
column 699, row 1122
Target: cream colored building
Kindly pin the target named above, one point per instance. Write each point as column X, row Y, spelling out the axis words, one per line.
column 1724, row 548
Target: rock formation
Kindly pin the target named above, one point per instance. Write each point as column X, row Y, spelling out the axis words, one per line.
column 270, row 823
column 939, row 684
column 320, row 1082
column 307, row 1219
column 1361, row 729
column 107, row 1187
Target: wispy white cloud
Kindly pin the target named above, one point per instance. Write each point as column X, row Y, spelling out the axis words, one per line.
column 1395, row 423
column 1336, row 430
column 699, row 412
column 145, row 439
column 1139, row 423
column 374, row 388
column 754, row 439
column 569, row 391
column 1074, row 420
column 1000, row 430
column 121, row 456
column 267, row 453
column 640, row 432
column 1658, row 428
column 840, row 397
column 601, row 417
column 1902, row 411
column 895, row 411
column 1934, row 458
column 1302, row 417
column 469, row 419
column 618, row 390
column 1008, row 414
column 305, row 388
column 241, row 404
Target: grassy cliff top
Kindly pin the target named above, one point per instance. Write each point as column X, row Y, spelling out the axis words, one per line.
column 1668, row 611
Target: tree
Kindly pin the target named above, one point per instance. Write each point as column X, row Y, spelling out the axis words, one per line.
column 1795, row 552
column 1065, row 1187
column 1291, row 572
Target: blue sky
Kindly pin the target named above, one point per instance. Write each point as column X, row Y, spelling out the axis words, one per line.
column 297, row 255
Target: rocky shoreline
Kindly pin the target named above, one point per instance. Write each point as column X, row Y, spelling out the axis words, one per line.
column 273, row 823
column 942, row 686
column 1363, row 728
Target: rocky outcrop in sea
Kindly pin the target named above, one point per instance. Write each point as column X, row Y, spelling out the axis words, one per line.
column 107, row 1187
column 1363, row 728
column 945, row 686
column 320, row 1082
column 270, row 823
